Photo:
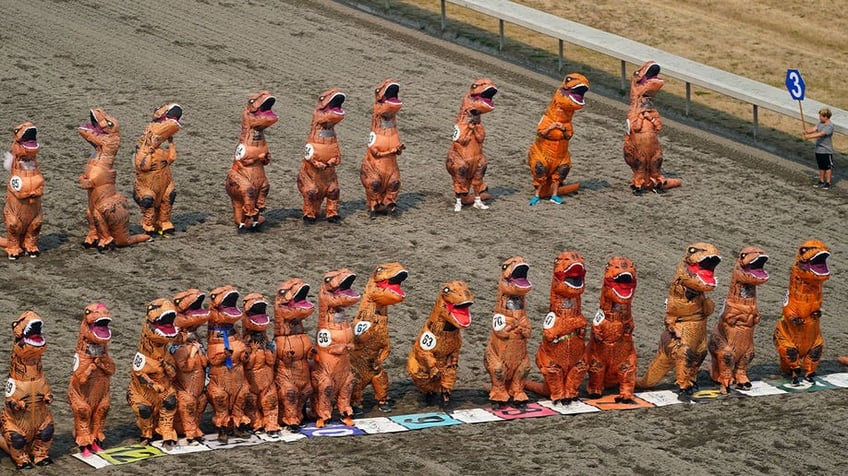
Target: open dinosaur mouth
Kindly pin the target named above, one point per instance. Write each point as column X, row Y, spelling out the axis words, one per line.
column 265, row 108
column 32, row 334
column 29, row 139
column 572, row 276
column 345, row 288
column 756, row 268
column 335, row 104
column 196, row 307
column 299, row 301
column 391, row 94
column 393, row 283
column 92, row 125
column 229, row 305
column 577, row 93
column 100, row 328
column 487, row 96
column 258, row 313
column 175, row 112
column 461, row 312
column 518, row 277
column 164, row 324
column 705, row 270
column 817, row 264
column 622, row 284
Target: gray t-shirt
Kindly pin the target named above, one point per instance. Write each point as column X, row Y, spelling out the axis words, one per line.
column 824, row 144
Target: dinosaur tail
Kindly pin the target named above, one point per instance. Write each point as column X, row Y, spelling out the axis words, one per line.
column 539, row 388
column 657, row 369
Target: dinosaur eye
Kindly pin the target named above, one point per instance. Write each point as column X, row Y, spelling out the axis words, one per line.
column 743, row 255
column 446, row 290
column 151, row 307
column 504, row 267
column 109, row 123
column 804, row 250
column 87, row 312
column 16, row 130
column 251, row 101
column 321, row 98
column 328, row 279
column 379, row 268
column 178, row 300
column 568, row 78
column 692, row 250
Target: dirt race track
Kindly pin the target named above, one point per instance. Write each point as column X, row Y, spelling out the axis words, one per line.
column 62, row 58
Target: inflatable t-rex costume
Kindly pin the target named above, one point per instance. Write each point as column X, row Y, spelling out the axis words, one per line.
column 333, row 373
column 371, row 333
column 561, row 356
column 465, row 162
column 226, row 389
column 642, row 149
column 317, row 179
column 683, row 344
column 151, row 393
column 246, row 184
column 434, row 356
column 153, row 189
column 548, row 157
column 108, row 213
column 379, row 173
column 798, row 336
column 261, row 405
column 294, row 350
column 731, row 343
column 23, row 194
column 88, row 390
column 610, row 353
column 506, row 356
column 191, row 361
column 26, row 421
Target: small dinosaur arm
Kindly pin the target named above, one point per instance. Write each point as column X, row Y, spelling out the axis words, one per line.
column 151, row 393
column 88, row 390
column 548, row 157
column 466, row 162
column 153, row 189
column 683, row 344
column 317, row 179
column 642, row 149
column 798, row 336
column 108, row 213
column 434, row 356
column 294, row 350
column 371, row 332
column 561, row 357
column 333, row 375
column 246, row 184
column 262, row 405
column 731, row 343
column 506, row 355
column 610, row 353
column 190, row 361
column 26, row 420
column 22, row 211
column 379, row 172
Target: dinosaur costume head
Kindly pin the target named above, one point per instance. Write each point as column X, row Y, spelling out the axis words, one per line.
column 329, row 110
column 256, row 317
column 571, row 94
column 749, row 268
column 386, row 100
column 513, row 280
column 811, row 261
column 456, row 300
column 223, row 304
column 101, row 130
column 159, row 321
column 645, row 82
column 619, row 280
column 336, row 290
column 190, row 311
column 165, row 121
column 291, row 303
column 95, row 324
column 569, row 275
column 384, row 286
column 27, row 332
column 24, row 146
column 479, row 98
column 697, row 269
column 257, row 113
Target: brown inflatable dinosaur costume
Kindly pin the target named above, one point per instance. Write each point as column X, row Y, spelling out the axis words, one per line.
column 561, row 356
column 731, row 343
column 683, row 344
column 610, row 353
column 151, row 393
column 798, row 336
column 88, row 390
column 191, row 361
column 379, row 173
column 333, row 375
column 261, row 406
column 642, row 149
column 548, row 157
column 153, row 189
column 434, row 356
column 246, row 184
column 227, row 387
column 371, row 333
column 294, row 350
column 465, row 162
column 506, row 355
column 317, row 179
column 22, row 212
column 25, row 420
column 108, row 213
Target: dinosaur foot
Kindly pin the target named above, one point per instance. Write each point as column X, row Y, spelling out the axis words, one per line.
column 595, row 396
column 44, row 462
column 33, row 253
column 624, row 399
column 168, row 445
column 358, row 410
column 85, row 451
column 309, row 220
column 347, row 420
column 334, row 219
column 145, row 440
column 222, row 436
column 521, row 405
column 293, row 428
column 24, row 465
column 89, row 244
column 811, row 377
column 386, row 406
column 744, row 386
column 319, row 423
column 431, row 398
column 498, row 405
column 197, row 440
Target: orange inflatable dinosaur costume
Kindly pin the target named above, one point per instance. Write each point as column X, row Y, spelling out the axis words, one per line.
column 466, row 163
column 151, row 393
column 153, row 189
column 333, row 375
column 88, row 390
column 683, row 344
column 561, row 354
column 434, row 356
column 642, row 149
column 108, row 213
column 246, row 184
column 731, row 343
column 191, row 361
column 262, row 406
column 23, row 194
column 226, row 389
column 371, row 333
column 26, row 421
column 379, row 173
column 798, row 336
column 294, row 350
column 506, row 353
column 548, row 157
column 317, row 179
column 610, row 353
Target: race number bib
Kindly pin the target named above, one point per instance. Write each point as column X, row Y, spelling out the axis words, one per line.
column 308, row 151
column 599, row 318
column 324, row 338
column 455, row 135
column 372, row 138
column 240, row 151
column 16, row 183
column 361, row 327
column 786, row 298
column 498, row 322
column 10, row 388
column 76, row 362
column 427, row 341
column 550, row 320
column 138, row 361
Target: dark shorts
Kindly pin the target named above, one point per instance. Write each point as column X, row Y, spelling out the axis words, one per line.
column 825, row 161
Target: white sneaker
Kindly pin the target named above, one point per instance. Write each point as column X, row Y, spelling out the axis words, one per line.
column 479, row 204
column 457, row 207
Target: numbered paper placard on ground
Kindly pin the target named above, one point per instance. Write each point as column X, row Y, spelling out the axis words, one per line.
column 94, row 461
column 760, row 388
column 130, row 454
column 211, row 440
column 532, row 410
column 660, row 398
column 840, row 380
column 607, row 402
column 474, row 415
column 330, row 429
column 419, row 421
column 377, row 425
column 571, row 408
column 181, row 448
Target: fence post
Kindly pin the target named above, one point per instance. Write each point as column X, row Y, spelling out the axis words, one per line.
column 560, row 63
column 501, row 29
column 688, row 97
column 623, row 76
column 756, row 121
column 443, row 15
